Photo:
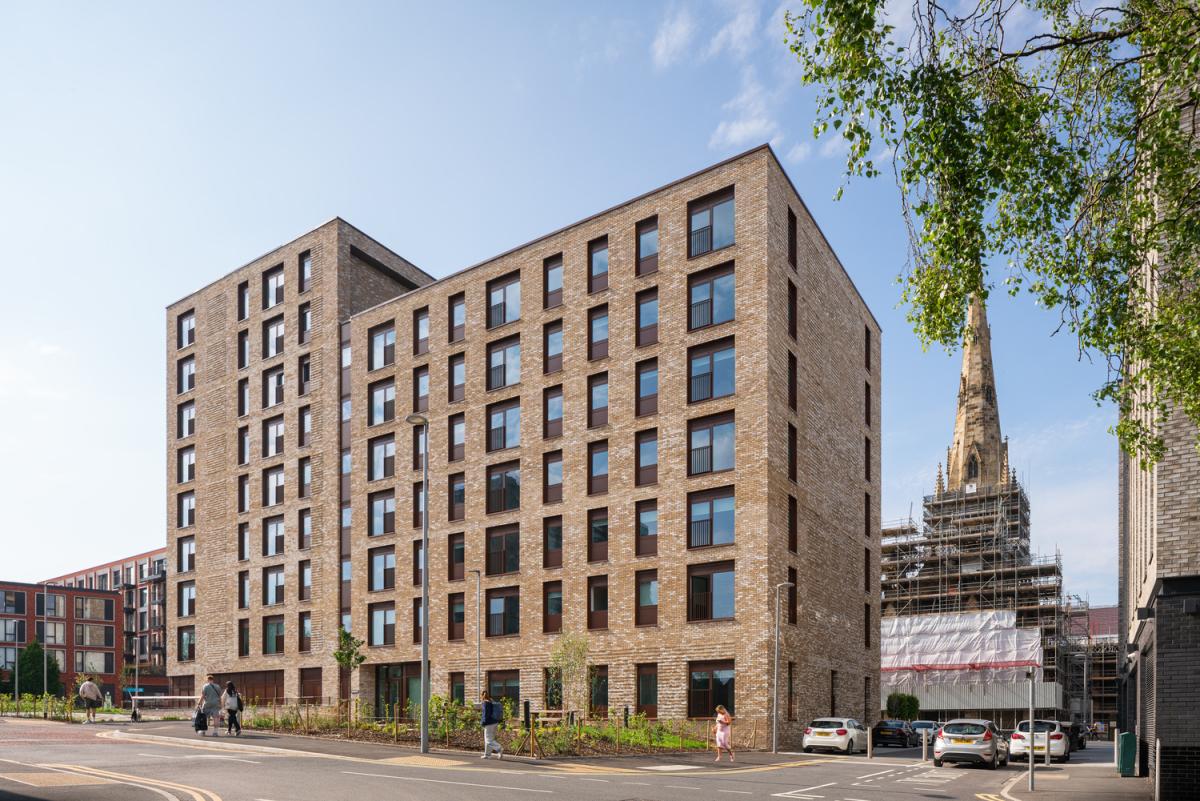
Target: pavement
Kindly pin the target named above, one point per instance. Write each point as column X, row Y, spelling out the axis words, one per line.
column 46, row 761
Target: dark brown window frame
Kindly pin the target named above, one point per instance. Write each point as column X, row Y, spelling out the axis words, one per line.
column 551, row 622
column 707, row 350
column 695, row 532
column 389, row 630
column 598, row 348
column 645, row 475
column 792, row 300
column 500, row 282
column 456, row 392
column 305, row 591
column 642, row 544
column 699, row 316
column 388, row 413
column 597, row 415
column 551, row 428
column 648, row 334
column 505, row 593
column 388, row 357
column 420, row 344
column 793, row 530
column 456, row 630
column 707, row 569
column 498, row 378
column 389, row 518
column 597, row 551
column 645, row 405
column 597, row 483
column 551, row 363
column 644, row 615
column 793, row 381
column 388, row 579
column 456, row 333
column 645, row 669
column 455, row 571
column 791, row 235
column 387, row 468
column 420, row 403
column 701, row 460
column 496, row 438
column 552, row 297
column 597, row 619
column 792, row 453
column 552, row 557
column 456, row 452
column 793, row 596
column 646, row 264
column 698, row 245
column 498, row 501
column 551, row 493
column 598, row 282
column 455, row 510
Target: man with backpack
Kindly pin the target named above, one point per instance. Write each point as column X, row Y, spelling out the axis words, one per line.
column 208, row 706
column 490, row 714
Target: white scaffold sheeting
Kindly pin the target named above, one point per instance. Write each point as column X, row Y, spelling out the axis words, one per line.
column 957, row 648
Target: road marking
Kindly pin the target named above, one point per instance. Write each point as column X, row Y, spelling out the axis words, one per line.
column 814, row 787
column 680, row 787
column 594, row 780
column 880, row 773
column 643, row 784
column 202, row 756
column 672, row 767
column 444, row 781
column 738, row 792
column 52, row 779
column 197, row 793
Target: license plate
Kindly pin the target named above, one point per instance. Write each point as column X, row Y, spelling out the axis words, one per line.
column 886, row 731
column 962, row 742
column 1039, row 748
column 824, row 734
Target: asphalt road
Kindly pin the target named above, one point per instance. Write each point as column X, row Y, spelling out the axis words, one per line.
column 157, row 761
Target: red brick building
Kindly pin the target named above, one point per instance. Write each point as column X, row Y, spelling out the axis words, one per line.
column 80, row 628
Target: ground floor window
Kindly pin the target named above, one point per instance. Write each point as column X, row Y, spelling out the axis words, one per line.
column 505, row 684
column 552, row 681
column 709, row 684
column 458, row 688
column 647, row 690
column 598, row 696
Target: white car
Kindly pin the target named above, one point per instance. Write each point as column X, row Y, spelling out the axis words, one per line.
column 839, row 734
column 1044, row 732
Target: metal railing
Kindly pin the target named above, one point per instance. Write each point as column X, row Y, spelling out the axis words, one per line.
column 700, row 460
column 700, row 533
column 701, row 386
column 700, row 314
column 700, row 240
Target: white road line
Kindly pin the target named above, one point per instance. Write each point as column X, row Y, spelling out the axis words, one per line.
column 643, row 784
column 202, row 756
column 880, row 773
column 814, row 787
column 738, row 792
column 680, row 787
column 444, row 781
column 605, row 781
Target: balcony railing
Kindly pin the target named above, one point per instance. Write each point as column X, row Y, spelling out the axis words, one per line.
column 699, row 606
column 701, row 460
column 495, row 315
column 700, row 533
column 700, row 314
column 496, row 376
column 701, row 386
column 701, row 240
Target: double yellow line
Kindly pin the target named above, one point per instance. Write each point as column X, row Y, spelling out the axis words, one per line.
column 196, row 793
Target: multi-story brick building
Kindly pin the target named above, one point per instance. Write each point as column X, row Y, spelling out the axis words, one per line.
column 675, row 399
column 141, row 580
column 80, row 628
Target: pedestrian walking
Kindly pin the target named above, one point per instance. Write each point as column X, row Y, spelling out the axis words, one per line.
column 209, row 703
column 89, row 693
column 490, row 713
column 231, row 702
column 722, row 731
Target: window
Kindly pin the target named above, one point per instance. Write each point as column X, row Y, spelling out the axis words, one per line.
column 647, row 690
column 711, row 517
column 383, row 512
column 186, row 465
column 185, row 420
column 456, row 317
column 598, row 691
column 647, row 598
column 421, row 331
column 456, row 492
column 647, row 457
column 791, row 234
column 305, row 627
column 597, row 599
column 457, row 438
column 272, row 282
column 272, row 337
column 552, row 347
column 383, row 402
column 972, row 463
column 552, row 412
column 552, row 607
column 598, row 264
column 243, row 300
column 504, row 425
column 305, row 271
column 711, row 297
column 598, row 400
column 598, row 467
column 647, row 246
column 305, row 570
column 504, row 487
column 793, row 526
column 456, row 372
column 304, row 374
column 383, row 458
column 552, row 282
column 710, row 444
column 243, row 494
column 503, row 613
column 243, row 445
column 243, row 350
column 244, row 589
column 791, row 311
column 273, row 386
column 504, row 363
column 272, row 585
column 793, row 379
column 420, row 382
column 347, row 355
column 12, row 602
column 867, row 405
column 187, row 374
column 85, row 608
column 867, row 515
column 792, row 596
column 647, row 317
column 867, row 625
column 458, row 688
column 647, row 388
column 243, row 541
column 598, row 332
column 55, row 605
column 185, row 329
column 832, row 692
column 552, row 477
column 186, row 646
column 243, row 396
column 418, row 504
column 710, row 684
column 346, row 462
column 505, row 684
column 274, row 537
column 504, row 300
column 552, row 542
column 272, row 437
column 244, row 637
column 456, row 557
column 503, row 550
column 597, row 547
column 710, row 223
column 552, row 685
column 187, row 599
column 383, row 347
column 711, row 371
column 273, row 486
column 383, row 568
column 186, row 554
column 867, row 348
column 791, row 452
column 273, row 634
column 710, row 591
column 647, row 528
column 187, row 509
column 456, row 604
column 383, row 624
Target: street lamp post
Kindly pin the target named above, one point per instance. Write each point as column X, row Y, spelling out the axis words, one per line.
column 1030, row 752
column 775, row 694
column 423, row 422
column 45, row 610
column 478, row 627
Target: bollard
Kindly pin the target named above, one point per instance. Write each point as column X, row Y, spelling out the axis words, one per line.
column 525, row 714
column 1116, row 737
column 1047, row 746
column 870, row 745
column 924, row 745
column 627, row 717
column 1157, row 766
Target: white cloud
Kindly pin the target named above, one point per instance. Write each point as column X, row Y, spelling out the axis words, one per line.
column 799, row 152
column 835, row 145
column 750, row 121
column 674, row 35
column 737, row 35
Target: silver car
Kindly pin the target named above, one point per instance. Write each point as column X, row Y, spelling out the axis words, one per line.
column 973, row 741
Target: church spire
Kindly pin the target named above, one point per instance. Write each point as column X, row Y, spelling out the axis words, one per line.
column 978, row 455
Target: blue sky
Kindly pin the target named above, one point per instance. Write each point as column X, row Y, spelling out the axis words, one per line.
column 147, row 149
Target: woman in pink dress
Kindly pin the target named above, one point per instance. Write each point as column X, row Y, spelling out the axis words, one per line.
column 724, row 737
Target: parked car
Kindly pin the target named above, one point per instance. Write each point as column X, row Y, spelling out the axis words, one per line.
column 839, row 734
column 1079, row 736
column 929, row 726
column 1045, row 732
column 972, row 741
column 894, row 732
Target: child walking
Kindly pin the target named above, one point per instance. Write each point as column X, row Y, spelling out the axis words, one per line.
column 724, row 736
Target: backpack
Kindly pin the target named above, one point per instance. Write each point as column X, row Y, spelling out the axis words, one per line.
column 489, row 715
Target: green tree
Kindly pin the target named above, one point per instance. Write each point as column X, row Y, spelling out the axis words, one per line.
column 1041, row 144
column 902, row 706
column 348, row 653
column 569, row 659
column 30, row 666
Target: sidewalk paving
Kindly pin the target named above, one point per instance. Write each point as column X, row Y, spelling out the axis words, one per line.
column 1089, row 781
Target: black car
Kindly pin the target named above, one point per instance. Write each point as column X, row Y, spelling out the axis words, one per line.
column 894, row 732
